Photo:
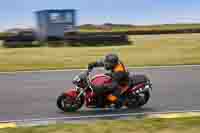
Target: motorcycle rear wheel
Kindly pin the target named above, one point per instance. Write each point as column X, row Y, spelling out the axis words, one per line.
column 136, row 102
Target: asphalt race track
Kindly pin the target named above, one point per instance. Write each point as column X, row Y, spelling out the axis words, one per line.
column 33, row 95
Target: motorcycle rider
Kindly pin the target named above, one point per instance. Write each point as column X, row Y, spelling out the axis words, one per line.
column 119, row 76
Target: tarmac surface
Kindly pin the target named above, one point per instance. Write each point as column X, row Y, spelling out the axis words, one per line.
column 29, row 95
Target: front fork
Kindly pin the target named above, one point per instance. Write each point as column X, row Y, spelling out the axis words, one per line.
column 81, row 92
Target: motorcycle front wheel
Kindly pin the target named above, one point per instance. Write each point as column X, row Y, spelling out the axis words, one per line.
column 69, row 104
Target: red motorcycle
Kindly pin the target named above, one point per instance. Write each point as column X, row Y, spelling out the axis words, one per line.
column 135, row 94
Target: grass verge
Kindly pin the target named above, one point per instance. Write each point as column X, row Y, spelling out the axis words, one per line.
column 147, row 50
column 176, row 125
column 124, row 28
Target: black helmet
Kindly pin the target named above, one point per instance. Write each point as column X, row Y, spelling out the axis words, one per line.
column 111, row 60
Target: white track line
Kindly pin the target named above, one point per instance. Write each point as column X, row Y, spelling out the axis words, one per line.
column 69, row 70
column 96, row 116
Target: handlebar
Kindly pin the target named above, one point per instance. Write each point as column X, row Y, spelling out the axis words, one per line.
column 88, row 72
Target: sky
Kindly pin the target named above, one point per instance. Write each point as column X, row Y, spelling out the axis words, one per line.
column 20, row 13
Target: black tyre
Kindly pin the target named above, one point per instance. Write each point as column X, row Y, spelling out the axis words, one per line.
column 138, row 100
column 145, row 99
column 69, row 104
column 59, row 102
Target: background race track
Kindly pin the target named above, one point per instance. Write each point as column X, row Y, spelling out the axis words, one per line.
column 27, row 95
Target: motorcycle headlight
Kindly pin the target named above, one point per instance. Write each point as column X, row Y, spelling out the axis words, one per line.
column 76, row 79
column 80, row 80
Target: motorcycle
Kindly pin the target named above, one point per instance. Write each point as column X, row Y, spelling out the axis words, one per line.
column 135, row 94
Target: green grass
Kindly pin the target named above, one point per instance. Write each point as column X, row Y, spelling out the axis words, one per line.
column 178, row 125
column 4, row 34
column 146, row 50
column 141, row 28
column 168, row 27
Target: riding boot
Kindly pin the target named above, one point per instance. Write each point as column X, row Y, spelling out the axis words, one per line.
column 119, row 101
